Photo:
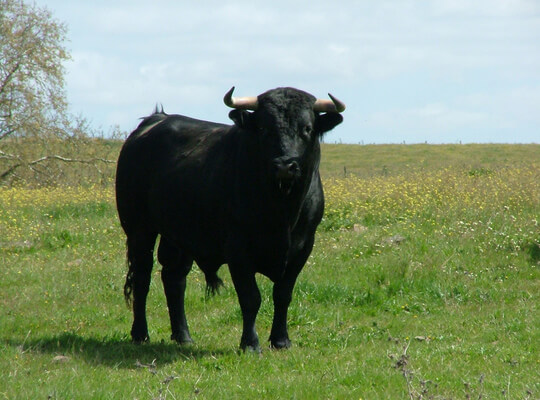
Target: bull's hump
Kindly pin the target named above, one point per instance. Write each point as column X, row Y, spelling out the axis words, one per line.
column 149, row 127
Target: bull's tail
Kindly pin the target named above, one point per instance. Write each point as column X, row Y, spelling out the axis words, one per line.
column 213, row 283
column 128, row 286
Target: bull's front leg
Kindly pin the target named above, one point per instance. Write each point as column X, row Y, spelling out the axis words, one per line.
column 250, row 302
column 282, row 296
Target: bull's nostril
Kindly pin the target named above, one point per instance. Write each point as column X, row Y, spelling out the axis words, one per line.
column 293, row 167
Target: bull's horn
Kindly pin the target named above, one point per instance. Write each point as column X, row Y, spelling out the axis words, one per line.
column 242, row 103
column 334, row 105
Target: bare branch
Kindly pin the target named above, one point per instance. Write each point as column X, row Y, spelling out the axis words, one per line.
column 70, row 160
column 9, row 76
column 9, row 171
column 8, row 156
column 6, row 133
column 31, row 164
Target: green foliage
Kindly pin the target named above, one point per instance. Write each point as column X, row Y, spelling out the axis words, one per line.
column 422, row 284
column 32, row 97
column 40, row 141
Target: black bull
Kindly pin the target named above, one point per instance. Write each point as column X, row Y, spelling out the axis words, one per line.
column 247, row 195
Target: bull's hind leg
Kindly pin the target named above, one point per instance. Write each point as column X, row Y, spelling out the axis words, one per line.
column 176, row 265
column 250, row 302
column 140, row 259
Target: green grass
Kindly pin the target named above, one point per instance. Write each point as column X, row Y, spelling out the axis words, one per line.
column 423, row 284
column 385, row 160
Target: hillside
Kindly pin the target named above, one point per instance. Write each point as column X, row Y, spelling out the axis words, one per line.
column 337, row 160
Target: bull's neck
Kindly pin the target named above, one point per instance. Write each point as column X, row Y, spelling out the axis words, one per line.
column 281, row 208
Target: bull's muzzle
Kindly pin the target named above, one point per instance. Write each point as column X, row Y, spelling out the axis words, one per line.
column 286, row 172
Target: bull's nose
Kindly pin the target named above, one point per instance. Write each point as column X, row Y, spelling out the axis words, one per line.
column 287, row 170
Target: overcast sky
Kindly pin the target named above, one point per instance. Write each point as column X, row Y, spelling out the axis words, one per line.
column 409, row 71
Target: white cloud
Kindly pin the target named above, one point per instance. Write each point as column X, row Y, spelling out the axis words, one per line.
column 511, row 107
column 428, row 119
column 454, row 66
column 491, row 8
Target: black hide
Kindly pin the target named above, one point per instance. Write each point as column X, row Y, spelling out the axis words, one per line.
column 247, row 195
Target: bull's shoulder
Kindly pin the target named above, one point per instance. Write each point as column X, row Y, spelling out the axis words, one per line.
column 180, row 145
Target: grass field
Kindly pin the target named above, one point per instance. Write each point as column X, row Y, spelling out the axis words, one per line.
column 423, row 283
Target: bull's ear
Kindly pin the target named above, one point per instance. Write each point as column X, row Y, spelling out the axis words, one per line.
column 242, row 118
column 327, row 122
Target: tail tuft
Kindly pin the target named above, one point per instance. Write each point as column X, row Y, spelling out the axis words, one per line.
column 213, row 283
column 128, row 286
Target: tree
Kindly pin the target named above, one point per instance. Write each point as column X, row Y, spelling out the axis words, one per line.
column 36, row 132
column 32, row 94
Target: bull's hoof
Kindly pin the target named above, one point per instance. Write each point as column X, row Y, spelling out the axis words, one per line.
column 139, row 333
column 252, row 347
column 182, row 338
column 280, row 344
column 140, row 339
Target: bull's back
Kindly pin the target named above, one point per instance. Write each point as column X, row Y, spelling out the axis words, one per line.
column 170, row 176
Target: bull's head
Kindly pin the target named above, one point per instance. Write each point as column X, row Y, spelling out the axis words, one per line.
column 288, row 124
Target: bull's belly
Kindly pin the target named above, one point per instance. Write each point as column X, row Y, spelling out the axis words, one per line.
column 210, row 255
column 254, row 248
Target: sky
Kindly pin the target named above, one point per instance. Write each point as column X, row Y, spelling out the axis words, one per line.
column 409, row 71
